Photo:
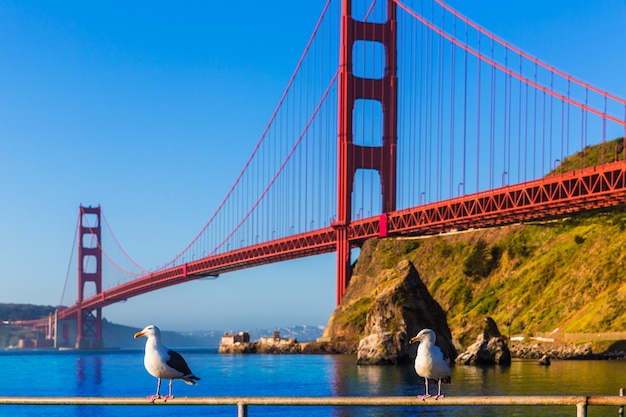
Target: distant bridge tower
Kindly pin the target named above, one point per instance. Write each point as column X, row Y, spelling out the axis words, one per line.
column 89, row 325
column 351, row 156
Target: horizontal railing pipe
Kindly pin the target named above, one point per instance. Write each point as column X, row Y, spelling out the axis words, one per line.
column 242, row 403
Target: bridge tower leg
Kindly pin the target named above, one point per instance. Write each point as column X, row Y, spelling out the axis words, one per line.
column 89, row 324
column 351, row 156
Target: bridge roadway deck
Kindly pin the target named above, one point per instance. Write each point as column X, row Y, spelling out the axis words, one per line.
column 550, row 197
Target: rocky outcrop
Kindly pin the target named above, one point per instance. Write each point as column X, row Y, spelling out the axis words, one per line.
column 402, row 306
column 545, row 360
column 490, row 348
column 535, row 349
column 328, row 348
column 239, row 347
column 553, row 350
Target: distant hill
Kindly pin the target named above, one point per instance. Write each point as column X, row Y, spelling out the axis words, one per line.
column 121, row 336
column 11, row 311
column 116, row 335
column 9, row 335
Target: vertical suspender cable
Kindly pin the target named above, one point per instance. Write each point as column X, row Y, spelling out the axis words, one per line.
column 565, row 151
column 439, row 145
column 452, row 112
column 478, row 89
column 421, row 113
column 534, row 156
column 492, row 132
column 519, row 126
column 583, row 133
column 550, row 115
column 506, row 128
column 603, row 159
column 463, row 180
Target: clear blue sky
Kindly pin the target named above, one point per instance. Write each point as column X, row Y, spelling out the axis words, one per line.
column 150, row 109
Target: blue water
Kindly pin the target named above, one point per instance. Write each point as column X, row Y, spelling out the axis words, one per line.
column 121, row 374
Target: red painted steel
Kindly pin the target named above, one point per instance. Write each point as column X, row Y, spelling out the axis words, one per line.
column 382, row 228
column 89, row 326
column 551, row 197
column 351, row 156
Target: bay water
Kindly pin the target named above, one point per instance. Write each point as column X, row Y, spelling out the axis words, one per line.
column 121, row 374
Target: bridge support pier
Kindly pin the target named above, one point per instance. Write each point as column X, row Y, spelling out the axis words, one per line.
column 351, row 156
column 89, row 321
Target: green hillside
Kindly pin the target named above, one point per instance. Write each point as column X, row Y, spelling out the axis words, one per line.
column 567, row 275
column 610, row 151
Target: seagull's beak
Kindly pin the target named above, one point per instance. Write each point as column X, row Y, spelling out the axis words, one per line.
column 139, row 334
column 413, row 339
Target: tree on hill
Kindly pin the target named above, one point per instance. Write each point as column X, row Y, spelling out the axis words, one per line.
column 12, row 312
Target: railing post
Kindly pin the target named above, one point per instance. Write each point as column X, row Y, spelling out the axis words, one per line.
column 242, row 409
column 581, row 409
column 620, row 410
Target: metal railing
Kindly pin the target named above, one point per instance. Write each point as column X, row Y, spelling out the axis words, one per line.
column 242, row 403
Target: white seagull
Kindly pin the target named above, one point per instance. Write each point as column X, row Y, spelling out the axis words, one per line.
column 430, row 362
column 161, row 362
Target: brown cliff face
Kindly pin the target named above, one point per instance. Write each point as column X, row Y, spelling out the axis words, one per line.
column 383, row 307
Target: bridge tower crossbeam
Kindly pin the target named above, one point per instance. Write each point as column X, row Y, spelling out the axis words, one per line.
column 351, row 156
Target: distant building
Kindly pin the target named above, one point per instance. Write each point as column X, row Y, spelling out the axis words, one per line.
column 231, row 339
column 277, row 340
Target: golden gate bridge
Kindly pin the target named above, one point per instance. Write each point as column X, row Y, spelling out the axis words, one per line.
column 400, row 118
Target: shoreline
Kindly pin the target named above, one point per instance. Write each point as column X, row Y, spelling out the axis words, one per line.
column 583, row 350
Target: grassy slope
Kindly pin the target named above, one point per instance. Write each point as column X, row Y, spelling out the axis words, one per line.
column 567, row 275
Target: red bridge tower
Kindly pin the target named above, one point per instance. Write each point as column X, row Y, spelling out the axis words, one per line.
column 351, row 156
column 89, row 324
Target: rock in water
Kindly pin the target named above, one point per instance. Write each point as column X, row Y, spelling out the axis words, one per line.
column 545, row 360
column 490, row 348
column 402, row 306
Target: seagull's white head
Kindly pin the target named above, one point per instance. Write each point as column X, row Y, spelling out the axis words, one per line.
column 425, row 335
column 149, row 331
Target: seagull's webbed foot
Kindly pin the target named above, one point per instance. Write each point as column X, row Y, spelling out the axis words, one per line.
column 153, row 398
column 170, row 395
column 423, row 397
column 439, row 396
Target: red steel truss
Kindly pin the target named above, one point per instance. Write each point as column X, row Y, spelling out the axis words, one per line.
column 552, row 197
